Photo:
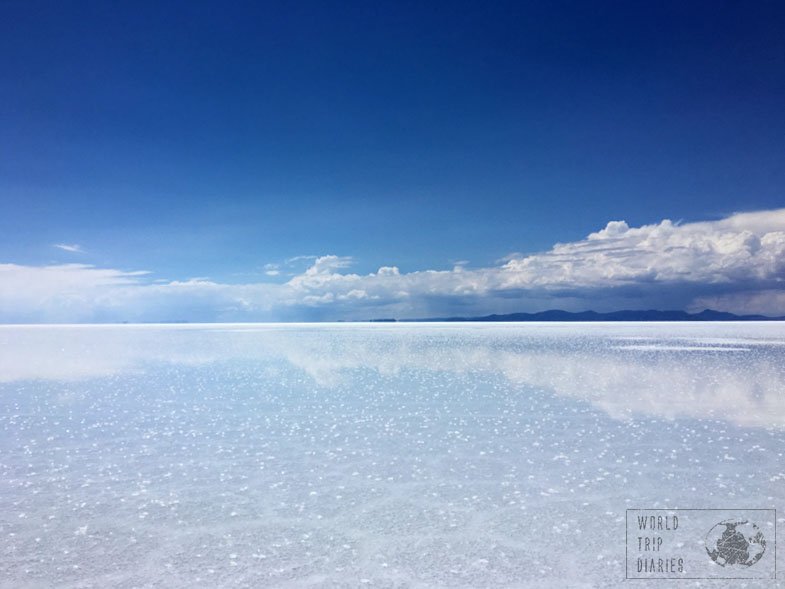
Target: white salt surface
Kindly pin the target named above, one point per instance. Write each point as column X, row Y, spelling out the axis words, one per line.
column 427, row 455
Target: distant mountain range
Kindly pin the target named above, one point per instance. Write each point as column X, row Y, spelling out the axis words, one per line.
column 651, row 315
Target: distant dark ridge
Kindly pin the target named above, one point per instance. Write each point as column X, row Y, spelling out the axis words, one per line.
column 650, row 315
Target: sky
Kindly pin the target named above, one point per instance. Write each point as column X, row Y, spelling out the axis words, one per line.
column 209, row 161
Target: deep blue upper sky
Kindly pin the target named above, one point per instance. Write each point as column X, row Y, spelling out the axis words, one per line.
column 207, row 139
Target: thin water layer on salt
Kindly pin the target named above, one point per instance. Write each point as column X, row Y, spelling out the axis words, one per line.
column 421, row 455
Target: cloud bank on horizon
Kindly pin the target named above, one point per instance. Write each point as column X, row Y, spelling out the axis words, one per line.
column 734, row 264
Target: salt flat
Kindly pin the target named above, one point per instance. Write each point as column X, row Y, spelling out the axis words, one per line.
column 384, row 455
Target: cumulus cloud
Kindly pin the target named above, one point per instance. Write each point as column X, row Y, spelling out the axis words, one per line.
column 736, row 264
column 743, row 247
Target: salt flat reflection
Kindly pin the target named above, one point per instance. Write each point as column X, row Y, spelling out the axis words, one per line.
column 733, row 372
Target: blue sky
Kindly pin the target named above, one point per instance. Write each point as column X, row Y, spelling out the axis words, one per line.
column 215, row 142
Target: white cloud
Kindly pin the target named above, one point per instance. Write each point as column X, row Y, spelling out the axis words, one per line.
column 744, row 247
column 69, row 247
column 736, row 264
column 63, row 292
column 272, row 269
column 294, row 259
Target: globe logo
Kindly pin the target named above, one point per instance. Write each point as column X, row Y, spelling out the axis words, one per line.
column 735, row 542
